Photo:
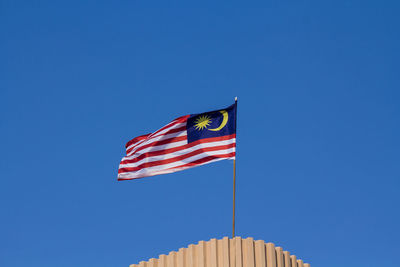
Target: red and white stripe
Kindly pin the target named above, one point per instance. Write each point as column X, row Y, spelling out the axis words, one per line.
column 167, row 150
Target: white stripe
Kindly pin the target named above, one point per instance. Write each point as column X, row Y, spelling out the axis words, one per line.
column 155, row 138
column 159, row 138
column 136, row 143
column 176, row 153
column 160, row 133
column 178, row 125
column 134, row 175
column 161, row 147
column 157, row 148
column 184, row 161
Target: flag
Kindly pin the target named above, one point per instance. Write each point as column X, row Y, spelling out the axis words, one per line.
column 186, row 142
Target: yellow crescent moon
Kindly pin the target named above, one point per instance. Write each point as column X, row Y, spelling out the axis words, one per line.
column 224, row 121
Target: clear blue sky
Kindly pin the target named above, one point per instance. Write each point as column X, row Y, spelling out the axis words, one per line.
column 318, row 128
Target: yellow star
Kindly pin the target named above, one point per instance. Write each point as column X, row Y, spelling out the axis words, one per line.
column 202, row 122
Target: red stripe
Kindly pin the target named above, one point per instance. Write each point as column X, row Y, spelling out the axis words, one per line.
column 204, row 160
column 181, row 138
column 176, row 121
column 174, row 149
column 175, row 159
column 181, row 157
column 176, row 130
column 191, row 164
column 163, row 142
column 137, row 139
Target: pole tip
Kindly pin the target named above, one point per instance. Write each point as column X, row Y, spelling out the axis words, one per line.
column 235, row 98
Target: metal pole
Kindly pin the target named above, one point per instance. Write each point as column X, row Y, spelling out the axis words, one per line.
column 234, row 180
column 234, row 195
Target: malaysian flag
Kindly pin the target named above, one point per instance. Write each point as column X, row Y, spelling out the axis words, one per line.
column 185, row 142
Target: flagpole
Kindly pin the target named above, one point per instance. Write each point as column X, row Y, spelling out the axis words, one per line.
column 234, row 180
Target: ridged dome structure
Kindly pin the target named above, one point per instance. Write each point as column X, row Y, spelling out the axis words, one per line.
column 226, row 252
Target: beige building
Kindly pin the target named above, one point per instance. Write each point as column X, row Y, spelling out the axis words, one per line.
column 235, row 252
